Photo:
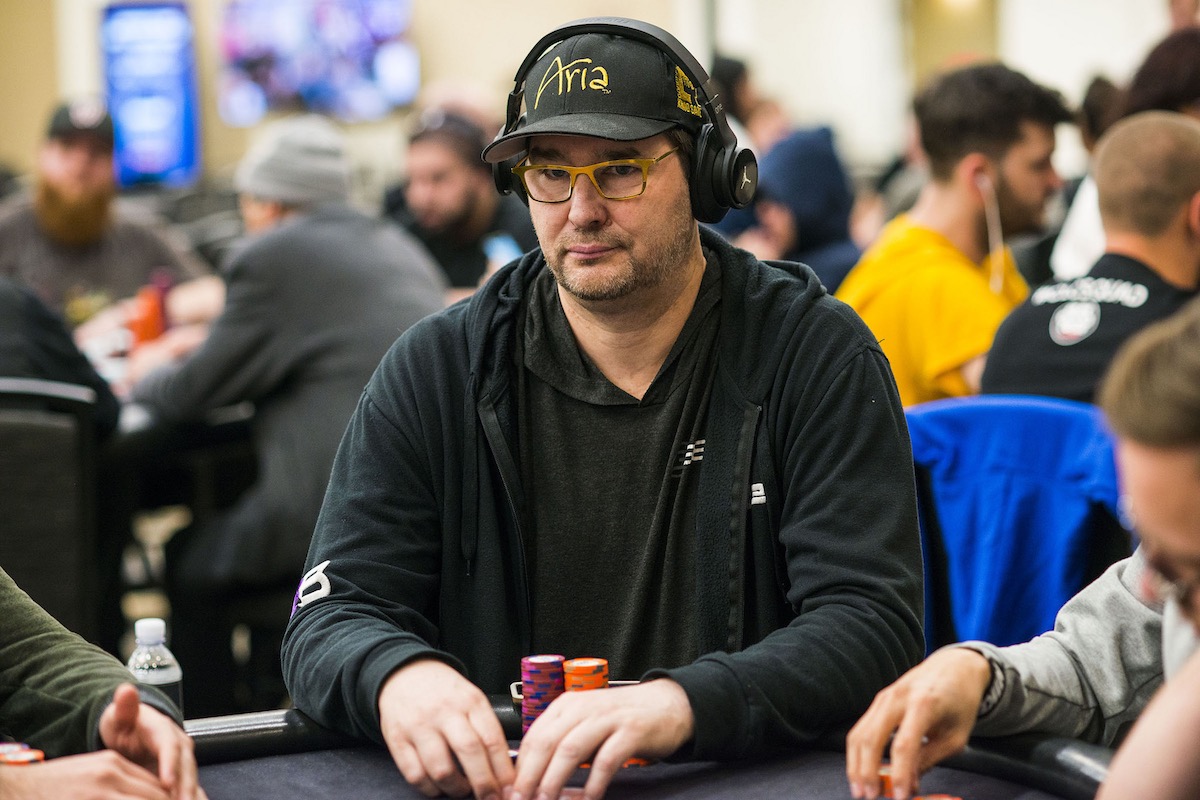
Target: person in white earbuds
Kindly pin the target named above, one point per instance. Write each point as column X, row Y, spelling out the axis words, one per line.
column 938, row 281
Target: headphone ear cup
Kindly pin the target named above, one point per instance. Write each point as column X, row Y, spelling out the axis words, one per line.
column 503, row 177
column 506, row 180
column 502, row 171
column 741, row 176
column 723, row 177
column 706, row 205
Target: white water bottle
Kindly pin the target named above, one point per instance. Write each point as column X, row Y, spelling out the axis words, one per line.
column 152, row 664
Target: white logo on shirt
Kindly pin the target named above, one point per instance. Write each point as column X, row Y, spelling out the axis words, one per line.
column 1101, row 290
column 691, row 453
column 314, row 577
column 1074, row 322
column 758, row 494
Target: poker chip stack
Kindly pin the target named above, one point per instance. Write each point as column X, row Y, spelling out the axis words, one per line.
column 19, row 753
column 581, row 674
column 541, row 682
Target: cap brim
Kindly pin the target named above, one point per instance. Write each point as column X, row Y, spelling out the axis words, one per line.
column 597, row 125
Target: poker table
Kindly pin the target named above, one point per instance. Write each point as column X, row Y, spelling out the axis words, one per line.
column 284, row 754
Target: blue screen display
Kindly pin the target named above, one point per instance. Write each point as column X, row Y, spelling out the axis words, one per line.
column 150, row 74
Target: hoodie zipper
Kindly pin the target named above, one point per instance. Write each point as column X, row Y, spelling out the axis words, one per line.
column 506, row 467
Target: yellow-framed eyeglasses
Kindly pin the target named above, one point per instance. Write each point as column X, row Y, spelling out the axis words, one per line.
column 620, row 179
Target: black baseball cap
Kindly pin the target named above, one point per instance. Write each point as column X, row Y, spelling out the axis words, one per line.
column 87, row 116
column 609, row 87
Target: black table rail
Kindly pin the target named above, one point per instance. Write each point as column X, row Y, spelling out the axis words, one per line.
column 1067, row 768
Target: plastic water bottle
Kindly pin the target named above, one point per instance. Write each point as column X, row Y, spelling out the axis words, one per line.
column 152, row 664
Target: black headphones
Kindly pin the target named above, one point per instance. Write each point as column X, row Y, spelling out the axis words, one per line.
column 724, row 176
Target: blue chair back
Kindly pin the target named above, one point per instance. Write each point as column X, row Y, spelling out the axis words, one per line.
column 1019, row 511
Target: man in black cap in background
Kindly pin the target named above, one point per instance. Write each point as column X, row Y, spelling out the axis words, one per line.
column 638, row 443
column 68, row 241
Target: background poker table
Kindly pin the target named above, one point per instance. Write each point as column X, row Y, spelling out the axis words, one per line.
column 284, row 754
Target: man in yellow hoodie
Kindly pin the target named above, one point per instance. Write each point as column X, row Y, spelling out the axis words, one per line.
column 937, row 283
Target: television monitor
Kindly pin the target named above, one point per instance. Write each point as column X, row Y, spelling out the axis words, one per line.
column 150, row 79
column 350, row 59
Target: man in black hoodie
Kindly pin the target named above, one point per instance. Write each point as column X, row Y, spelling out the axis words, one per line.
column 636, row 442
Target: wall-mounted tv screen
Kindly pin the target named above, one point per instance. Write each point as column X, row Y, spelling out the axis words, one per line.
column 351, row 59
column 150, row 81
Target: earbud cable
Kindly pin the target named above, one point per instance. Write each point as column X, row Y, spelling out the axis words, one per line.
column 991, row 213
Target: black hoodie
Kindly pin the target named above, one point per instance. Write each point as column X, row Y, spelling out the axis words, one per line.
column 808, row 573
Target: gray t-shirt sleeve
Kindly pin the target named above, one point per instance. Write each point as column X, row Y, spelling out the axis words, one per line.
column 1092, row 675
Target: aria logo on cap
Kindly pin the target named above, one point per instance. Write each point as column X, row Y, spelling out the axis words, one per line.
column 564, row 76
column 583, row 75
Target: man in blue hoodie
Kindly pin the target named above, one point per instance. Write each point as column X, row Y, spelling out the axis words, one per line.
column 803, row 207
column 636, row 442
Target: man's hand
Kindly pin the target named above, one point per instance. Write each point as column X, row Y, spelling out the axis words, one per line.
column 606, row 727
column 105, row 325
column 760, row 243
column 152, row 740
column 931, row 710
column 103, row 775
column 442, row 732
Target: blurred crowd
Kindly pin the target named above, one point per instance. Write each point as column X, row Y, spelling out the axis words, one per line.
column 975, row 264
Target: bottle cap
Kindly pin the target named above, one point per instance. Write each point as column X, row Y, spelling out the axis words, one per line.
column 150, row 630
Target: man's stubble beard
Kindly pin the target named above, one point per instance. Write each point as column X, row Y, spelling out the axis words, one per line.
column 456, row 227
column 73, row 221
column 645, row 273
column 1015, row 217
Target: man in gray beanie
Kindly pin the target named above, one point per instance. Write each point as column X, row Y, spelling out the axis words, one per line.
column 299, row 163
column 313, row 300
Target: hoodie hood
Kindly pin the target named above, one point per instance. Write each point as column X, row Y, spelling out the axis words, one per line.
column 804, row 174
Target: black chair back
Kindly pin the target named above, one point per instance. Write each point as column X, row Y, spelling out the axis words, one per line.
column 48, row 497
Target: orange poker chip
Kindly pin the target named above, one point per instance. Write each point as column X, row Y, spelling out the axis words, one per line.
column 23, row 756
column 885, row 788
column 885, row 780
column 583, row 674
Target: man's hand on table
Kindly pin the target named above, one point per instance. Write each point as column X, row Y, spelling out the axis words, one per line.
column 103, row 775
column 148, row 757
column 442, row 732
column 151, row 740
column 931, row 711
column 605, row 727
